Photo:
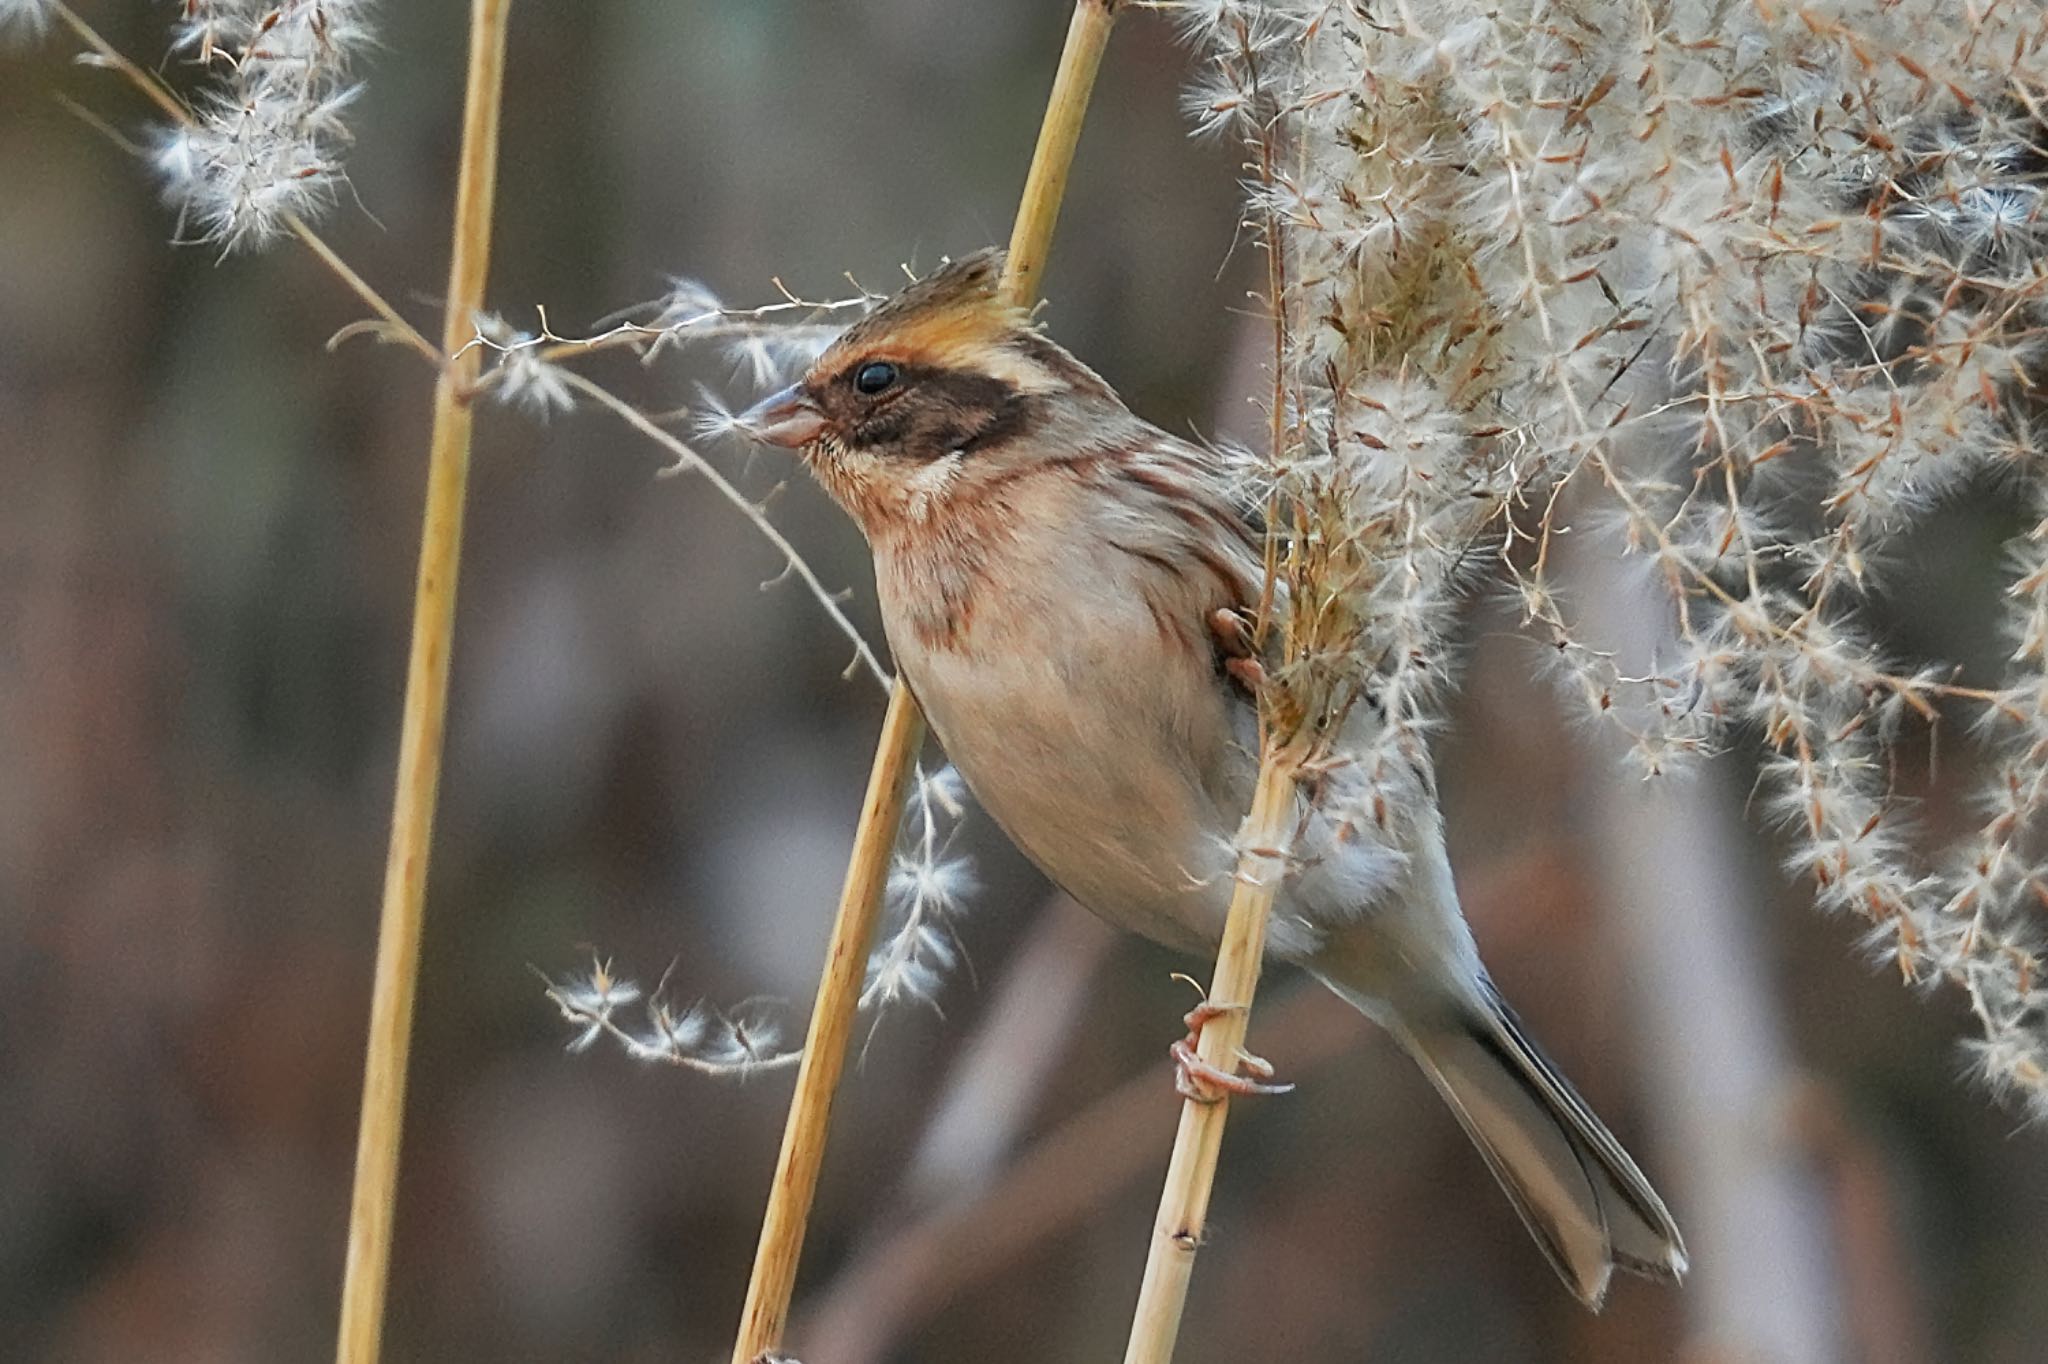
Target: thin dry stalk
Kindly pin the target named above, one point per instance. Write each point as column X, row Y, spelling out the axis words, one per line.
column 372, row 1206
column 1191, row 1173
column 1045, row 186
column 773, row 1283
column 1055, row 1185
column 825, row 1043
column 390, row 324
column 1069, row 1174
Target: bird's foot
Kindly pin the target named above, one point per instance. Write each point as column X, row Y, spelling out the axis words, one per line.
column 1233, row 630
column 1196, row 1079
column 1234, row 643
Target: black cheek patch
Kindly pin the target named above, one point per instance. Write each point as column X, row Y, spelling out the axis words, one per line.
column 939, row 412
column 884, row 430
column 1013, row 418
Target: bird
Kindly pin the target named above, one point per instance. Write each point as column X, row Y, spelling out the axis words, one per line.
column 1062, row 586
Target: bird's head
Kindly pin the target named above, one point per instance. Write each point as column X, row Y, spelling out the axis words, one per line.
column 941, row 393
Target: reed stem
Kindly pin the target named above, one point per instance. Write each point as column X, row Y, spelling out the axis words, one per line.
column 825, row 1044
column 373, row 1203
column 773, row 1283
column 1191, row 1173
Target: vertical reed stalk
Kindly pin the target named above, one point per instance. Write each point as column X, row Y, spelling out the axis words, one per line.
column 1191, row 1173
column 373, row 1203
column 832, row 1017
column 773, row 1283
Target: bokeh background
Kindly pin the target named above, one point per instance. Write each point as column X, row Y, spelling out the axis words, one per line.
column 207, row 529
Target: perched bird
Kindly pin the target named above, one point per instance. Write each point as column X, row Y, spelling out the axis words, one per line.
column 1058, row 580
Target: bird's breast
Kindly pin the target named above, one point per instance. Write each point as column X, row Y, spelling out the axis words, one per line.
column 1088, row 720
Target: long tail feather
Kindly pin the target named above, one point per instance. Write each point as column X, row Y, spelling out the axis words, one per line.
column 1578, row 1192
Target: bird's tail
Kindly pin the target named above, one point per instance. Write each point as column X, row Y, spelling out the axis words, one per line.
column 1582, row 1198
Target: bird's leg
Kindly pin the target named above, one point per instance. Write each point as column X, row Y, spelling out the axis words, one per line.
column 1194, row 1078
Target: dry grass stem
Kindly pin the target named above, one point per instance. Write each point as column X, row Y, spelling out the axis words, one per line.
column 688, row 312
column 107, row 55
column 1045, row 187
column 373, row 1203
column 1191, row 1172
column 839, row 990
column 773, row 1281
column 104, row 54
column 687, row 459
column 389, row 325
column 695, row 1037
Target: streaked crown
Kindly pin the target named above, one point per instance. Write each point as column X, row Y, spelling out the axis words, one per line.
column 948, row 319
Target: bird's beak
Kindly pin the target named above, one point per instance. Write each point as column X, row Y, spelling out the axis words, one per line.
column 788, row 419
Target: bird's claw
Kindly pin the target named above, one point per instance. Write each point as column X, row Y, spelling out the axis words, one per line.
column 1233, row 630
column 1196, row 1079
column 1233, row 633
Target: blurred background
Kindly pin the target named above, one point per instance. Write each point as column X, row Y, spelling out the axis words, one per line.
column 207, row 531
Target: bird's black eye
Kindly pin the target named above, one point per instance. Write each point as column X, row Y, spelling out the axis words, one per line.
column 875, row 376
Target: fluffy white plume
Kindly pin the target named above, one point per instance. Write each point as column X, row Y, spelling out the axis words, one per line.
column 1755, row 285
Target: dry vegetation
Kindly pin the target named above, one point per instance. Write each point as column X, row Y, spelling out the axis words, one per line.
column 1742, row 290
column 1746, row 288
